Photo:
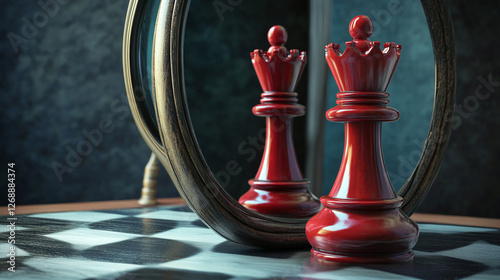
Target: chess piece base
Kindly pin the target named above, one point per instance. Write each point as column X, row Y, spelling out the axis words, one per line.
column 380, row 258
column 362, row 231
column 289, row 199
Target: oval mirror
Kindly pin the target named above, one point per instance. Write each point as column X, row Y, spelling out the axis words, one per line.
column 161, row 113
column 230, row 136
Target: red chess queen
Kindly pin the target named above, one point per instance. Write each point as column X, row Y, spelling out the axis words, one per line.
column 361, row 220
column 279, row 189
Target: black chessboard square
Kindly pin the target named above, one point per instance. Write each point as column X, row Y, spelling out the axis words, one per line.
column 136, row 211
column 434, row 267
column 199, row 223
column 162, row 274
column 141, row 250
column 135, row 225
column 43, row 246
column 229, row 247
column 435, row 242
column 41, row 226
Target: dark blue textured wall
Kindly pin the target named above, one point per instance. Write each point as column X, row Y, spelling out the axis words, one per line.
column 66, row 80
column 61, row 81
column 469, row 180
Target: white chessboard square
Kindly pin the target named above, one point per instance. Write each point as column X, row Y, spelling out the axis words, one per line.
column 201, row 235
column 451, row 229
column 240, row 266
column 84, row 238
column 479, row 251
column 170, row 215
column 355, row 273
column 79, row 216
column 75, row 269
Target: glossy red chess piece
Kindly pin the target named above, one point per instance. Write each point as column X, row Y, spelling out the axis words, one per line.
column 279, row 189
column 361, row 220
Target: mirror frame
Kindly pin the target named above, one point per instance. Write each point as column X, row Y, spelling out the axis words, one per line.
column 178, row 150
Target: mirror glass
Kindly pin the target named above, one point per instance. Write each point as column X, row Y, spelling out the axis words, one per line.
column 143, row 61
column 222, row 87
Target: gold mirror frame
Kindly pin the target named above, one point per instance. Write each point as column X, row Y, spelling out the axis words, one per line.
column 178, row 150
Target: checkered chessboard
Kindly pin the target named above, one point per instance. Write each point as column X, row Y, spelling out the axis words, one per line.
column 172, row 243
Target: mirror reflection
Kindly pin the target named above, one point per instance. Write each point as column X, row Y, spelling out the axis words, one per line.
column 222, row 87
column 144, row 45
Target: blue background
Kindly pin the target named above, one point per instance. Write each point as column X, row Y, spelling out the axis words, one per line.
column 66, row 79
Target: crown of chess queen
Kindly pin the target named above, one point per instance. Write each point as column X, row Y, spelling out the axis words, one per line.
column 363, row 66
column 278, row 69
